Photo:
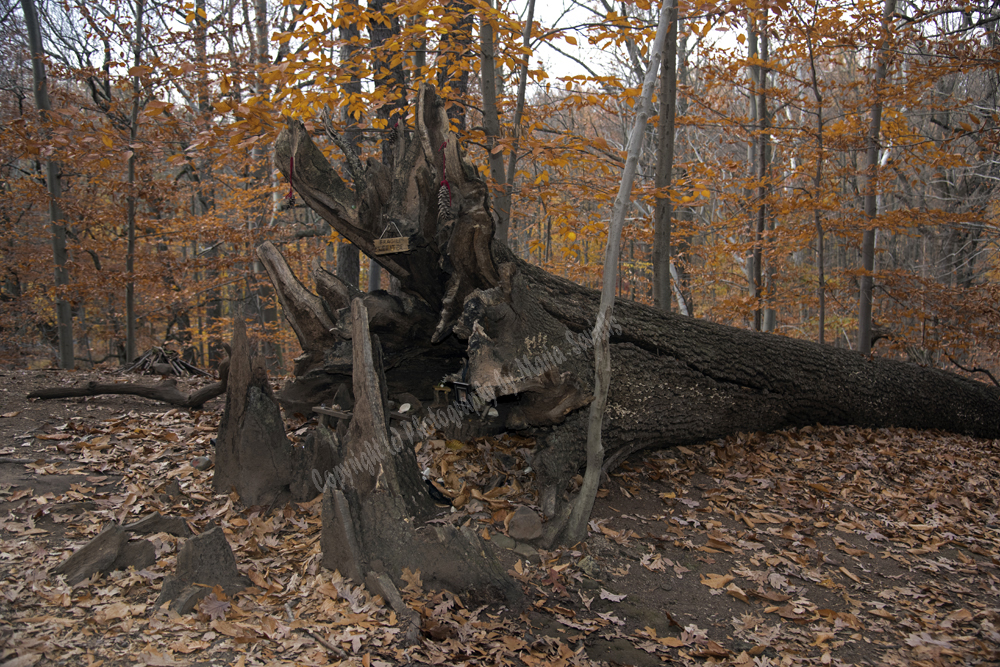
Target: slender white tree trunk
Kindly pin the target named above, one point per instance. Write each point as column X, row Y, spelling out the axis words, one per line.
column 576, row 529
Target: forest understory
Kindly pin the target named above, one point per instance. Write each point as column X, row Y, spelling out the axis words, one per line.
column 816, row 546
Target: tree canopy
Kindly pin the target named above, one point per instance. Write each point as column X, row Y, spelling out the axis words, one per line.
column 773, row 125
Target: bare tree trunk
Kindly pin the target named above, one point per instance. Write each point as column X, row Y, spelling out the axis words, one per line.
column 762, row 164
column 260, row 299
column 818, row 190
column 522, row 86
column 576, row 529
column 664, row 167
column 130, row 323
column 53, row 181
column 348, row 256
column 491, row 125
column 871, row 187
column 453, row 47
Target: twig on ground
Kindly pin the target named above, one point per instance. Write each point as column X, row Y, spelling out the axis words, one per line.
column 336, row 650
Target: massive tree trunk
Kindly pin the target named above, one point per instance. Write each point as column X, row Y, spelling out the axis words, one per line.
column 518, row 334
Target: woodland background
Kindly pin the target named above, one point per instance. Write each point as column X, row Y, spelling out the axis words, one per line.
column 162, row 118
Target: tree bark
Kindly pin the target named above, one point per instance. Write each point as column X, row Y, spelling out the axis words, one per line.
column 348, row 256
column 491, row 123
column 165, row 392
column 503, row 231
column 53, row 181
column 664, row 168
column 375, row 503
column 253, row 456
column 871, row 189
column 130, row 201
column 576, row 530
column 818, row 190
column 521, row 336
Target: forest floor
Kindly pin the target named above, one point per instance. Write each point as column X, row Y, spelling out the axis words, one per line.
column 818, row 546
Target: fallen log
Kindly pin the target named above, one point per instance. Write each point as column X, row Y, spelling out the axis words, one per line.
column 165, row 391
column 471, row 311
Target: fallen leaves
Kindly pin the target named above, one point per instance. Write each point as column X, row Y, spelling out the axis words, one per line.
column 605, row 595
column 213, row 607
column 822, row 544
column 737, row 592
column 716, row 580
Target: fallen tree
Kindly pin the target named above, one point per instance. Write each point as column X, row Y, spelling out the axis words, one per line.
column 165, row 391
column 472, row 310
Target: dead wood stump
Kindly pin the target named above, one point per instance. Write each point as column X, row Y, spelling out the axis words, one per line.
column 203, row 562
column 253, row 456
column 375, row 503
column 109, row 550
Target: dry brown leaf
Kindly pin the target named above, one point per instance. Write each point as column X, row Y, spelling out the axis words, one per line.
column 113, row 612
column 737, row 593
column 154, row 658
column 961, row 615
column 25, row 660
column 672, row 642
column 609, row 531
column 412, row 579
column 791, row 612
column 719, row 545
column 716, row 580
column 822, row 637
column 213, row 607
column 772, row 596
column 711, row 650
column 850, row 574
column 611, row 597
column 189, row 645
column 234, row 630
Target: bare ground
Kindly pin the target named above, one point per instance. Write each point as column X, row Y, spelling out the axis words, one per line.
column 818, row 546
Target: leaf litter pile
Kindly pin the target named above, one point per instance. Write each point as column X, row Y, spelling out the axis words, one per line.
column 816, row 546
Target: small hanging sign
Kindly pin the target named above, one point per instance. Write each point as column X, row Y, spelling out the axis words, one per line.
column 390, row 245
column 387, row 245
